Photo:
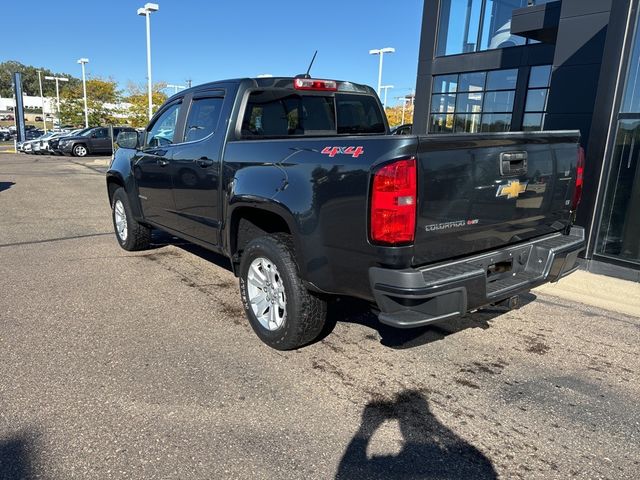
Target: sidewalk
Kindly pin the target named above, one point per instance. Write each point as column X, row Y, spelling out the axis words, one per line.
column 597, row 290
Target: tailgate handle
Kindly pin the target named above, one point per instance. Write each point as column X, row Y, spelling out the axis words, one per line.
column 513, row 163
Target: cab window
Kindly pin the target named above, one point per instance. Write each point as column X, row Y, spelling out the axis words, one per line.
column 203, row 118
column 282, row 114
column 100, row 133
column 162, row 131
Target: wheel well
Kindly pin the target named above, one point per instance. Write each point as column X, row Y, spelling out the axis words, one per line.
column 113, row 183
column 250, row 223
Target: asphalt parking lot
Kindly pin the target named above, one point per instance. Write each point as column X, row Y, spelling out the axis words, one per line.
column 142, row 365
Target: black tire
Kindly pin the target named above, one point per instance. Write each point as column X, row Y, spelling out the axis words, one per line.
column 306, row 313
column 80, row 150
column 138, row 236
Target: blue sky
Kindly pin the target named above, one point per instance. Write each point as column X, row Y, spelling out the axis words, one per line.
column 211, row 40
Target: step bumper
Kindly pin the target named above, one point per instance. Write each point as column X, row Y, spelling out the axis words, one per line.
column 411, row 298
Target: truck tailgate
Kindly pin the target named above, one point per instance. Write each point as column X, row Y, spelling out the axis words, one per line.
column 479, row 192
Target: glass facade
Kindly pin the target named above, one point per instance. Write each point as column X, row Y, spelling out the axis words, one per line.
column 473, row 102
column 466, row 26
column 619, row 233
column 535, row 107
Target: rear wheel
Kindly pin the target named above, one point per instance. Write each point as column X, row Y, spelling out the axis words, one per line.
column 80, row 150
column 131, row 234
column 282, row 312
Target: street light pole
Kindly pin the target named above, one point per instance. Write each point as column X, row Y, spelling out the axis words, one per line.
column 44, row 121
column 381, row 52
column 404, row 107
column 386, row 88
column 146, row 12
column 57, row 79
column 83, row 61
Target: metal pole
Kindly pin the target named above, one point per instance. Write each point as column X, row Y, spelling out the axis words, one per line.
column 404, row 106
column 84, row 91
column 44, row 122
column 380, row 74
column 58, row 101
column 149, row 64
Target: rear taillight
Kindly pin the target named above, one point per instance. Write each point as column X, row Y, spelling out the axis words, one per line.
column 577, row 191
column 393, row 203
column 314, row 84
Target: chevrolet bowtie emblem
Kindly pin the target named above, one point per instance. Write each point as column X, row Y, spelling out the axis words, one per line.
column 512, row 190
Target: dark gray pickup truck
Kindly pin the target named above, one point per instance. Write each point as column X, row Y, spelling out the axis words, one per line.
column 299, row 183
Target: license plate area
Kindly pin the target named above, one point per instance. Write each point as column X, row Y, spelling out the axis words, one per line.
column 499, row 269
column 505, row 264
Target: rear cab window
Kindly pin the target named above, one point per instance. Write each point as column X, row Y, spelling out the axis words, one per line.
column 277, row 113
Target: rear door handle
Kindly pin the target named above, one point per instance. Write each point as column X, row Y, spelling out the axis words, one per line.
column 204, row 162
column 163, row 162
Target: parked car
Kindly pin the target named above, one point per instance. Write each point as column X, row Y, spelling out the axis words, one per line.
column 5, row 136
column 31, row 136
column 94, row 140
column 46, row 145
column 54, row 142
column 27, row 146
column 298, row 183
column 38, row 118
column 41, row 143
column 404, row 129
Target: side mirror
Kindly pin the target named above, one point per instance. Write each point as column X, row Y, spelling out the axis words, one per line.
column 128, row 140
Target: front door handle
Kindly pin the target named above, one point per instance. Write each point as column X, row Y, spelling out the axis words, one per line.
column 204, row 162
column 163, row 162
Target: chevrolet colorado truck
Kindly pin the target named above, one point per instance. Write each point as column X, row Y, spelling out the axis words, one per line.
column 298, row 182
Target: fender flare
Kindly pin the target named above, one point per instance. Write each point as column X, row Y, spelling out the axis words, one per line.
column 129, row 189
column 268, row 205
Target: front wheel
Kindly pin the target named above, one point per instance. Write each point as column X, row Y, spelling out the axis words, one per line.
column 282, row 312
column 131, row 234
column 80, row 151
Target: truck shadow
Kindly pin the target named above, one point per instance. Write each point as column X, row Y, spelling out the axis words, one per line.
column 161, row 239
column 351, row 310
column 6, row 186
column 429, row 449
column 16, row 458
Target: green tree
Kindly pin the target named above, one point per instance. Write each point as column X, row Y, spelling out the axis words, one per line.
column 30, row 84
column 138, row 100
column 100, row 92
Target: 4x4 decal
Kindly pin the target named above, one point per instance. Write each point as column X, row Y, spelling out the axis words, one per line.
column 355, row 152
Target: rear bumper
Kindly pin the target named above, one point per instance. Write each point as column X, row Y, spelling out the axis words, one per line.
column 415, row 297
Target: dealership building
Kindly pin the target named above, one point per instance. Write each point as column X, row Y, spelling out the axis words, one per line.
column 526, row 65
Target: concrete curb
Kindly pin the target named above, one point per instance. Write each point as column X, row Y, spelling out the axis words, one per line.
column 598, row 291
